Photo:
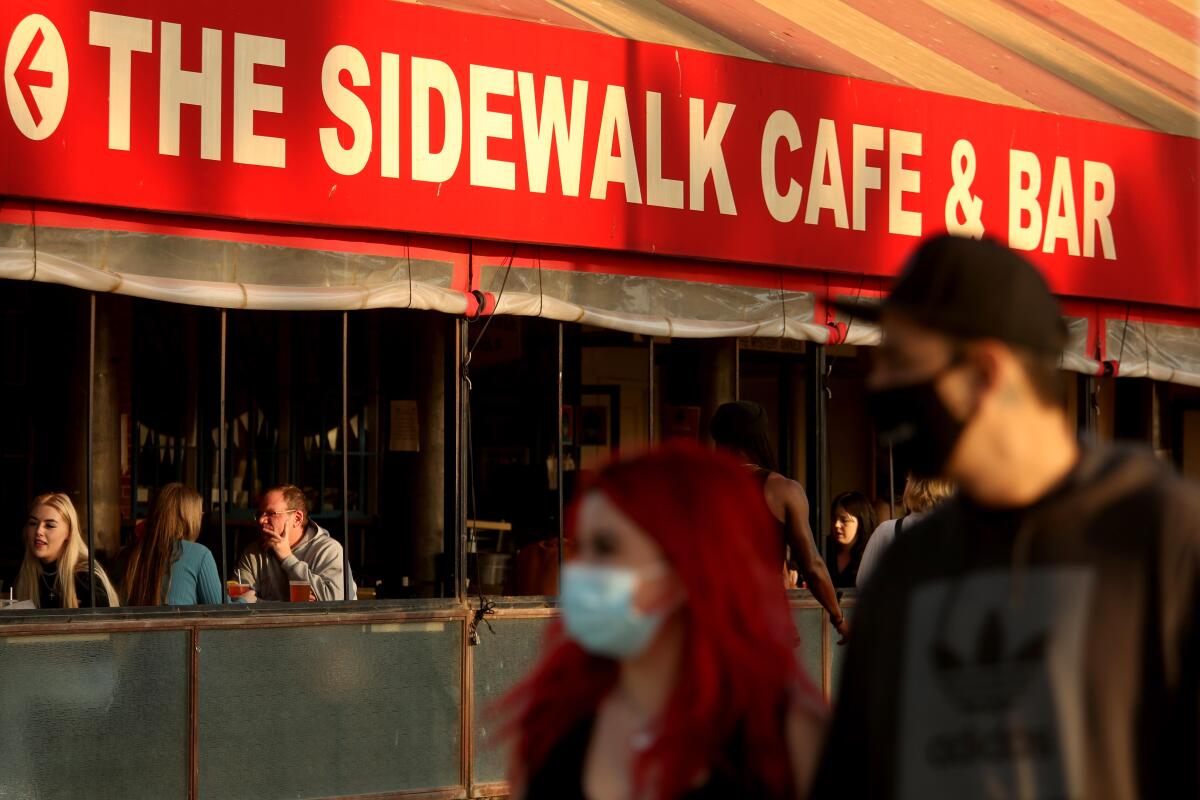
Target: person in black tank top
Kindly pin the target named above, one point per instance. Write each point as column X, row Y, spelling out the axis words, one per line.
column 671, row 675
column 741, row 428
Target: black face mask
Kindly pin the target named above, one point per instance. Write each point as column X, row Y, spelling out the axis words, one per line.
column 915, row 422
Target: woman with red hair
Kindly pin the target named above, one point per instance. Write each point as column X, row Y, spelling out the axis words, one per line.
column 672, row 674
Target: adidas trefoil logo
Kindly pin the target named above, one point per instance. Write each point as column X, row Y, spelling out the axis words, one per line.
column 999, row 673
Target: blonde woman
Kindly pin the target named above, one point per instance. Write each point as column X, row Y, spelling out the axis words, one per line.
column 166, row 565
column 54, row 573
column 921, row 495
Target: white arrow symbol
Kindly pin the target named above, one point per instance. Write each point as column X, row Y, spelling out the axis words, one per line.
column 35, row 77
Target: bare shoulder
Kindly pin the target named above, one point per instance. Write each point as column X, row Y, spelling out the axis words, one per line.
column 784, row 490
column 783, row 484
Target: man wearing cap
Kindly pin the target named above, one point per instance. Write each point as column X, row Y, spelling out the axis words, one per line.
column 1037, row 636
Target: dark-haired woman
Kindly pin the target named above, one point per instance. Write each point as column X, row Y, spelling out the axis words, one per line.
column 672, row 674
column 166, row 566
column 853, row 521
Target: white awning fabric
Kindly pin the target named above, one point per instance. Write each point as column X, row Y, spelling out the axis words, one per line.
column 1142, row 349
column 1076, row 356
column 287, row 276
column 226, row 274
column 653, row 306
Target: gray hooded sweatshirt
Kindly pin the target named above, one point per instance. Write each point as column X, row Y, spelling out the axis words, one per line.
column 316, row 559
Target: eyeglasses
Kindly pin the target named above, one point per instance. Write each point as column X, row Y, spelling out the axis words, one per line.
column 269, row 514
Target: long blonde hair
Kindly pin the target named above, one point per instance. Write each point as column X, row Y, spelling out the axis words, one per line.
column 73, row 558
column 175, row 516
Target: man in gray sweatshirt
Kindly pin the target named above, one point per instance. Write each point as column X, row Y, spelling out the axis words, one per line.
column 292, row 548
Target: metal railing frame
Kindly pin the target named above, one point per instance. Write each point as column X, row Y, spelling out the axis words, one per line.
column 50, row 623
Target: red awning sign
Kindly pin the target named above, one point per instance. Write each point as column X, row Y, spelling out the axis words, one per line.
column 385, row 115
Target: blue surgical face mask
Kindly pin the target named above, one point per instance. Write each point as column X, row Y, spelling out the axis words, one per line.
column 598, row 611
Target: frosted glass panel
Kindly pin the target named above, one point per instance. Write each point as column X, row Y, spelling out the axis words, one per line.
column 499, row 662
column 808, row 626
column 94, row 715
column 353, row 710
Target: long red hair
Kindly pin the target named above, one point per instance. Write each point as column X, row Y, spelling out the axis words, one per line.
column 708, row 516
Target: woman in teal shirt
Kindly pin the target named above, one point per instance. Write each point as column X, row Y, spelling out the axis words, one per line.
column 166, row 566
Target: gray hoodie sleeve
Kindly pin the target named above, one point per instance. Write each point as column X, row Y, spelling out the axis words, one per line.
column 322, row 571
column 880, row 540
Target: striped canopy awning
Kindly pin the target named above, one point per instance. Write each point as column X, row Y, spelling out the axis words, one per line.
column 1127, row 62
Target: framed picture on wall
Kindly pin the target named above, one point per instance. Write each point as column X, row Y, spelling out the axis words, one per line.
column 681, row 422
column 598, row 424
column 593, row 425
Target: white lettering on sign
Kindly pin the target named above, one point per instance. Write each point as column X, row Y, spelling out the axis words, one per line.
column 660, row 191
column 389, row 116
column 1024, row 183
column 864, row 176
column 347, row 107
column 123, row 36
column 706, row 156
column 178, row 87
column 487, row 124
column 36, row 77
column 780, row 126
column 621, row 168
column 429, row 76
column 823, row 195
column 902, row 181
column 552, row 125
column 831, row 195
column 1098, row 195
column 1061, row 221
column 250, row 97
column 963, row 209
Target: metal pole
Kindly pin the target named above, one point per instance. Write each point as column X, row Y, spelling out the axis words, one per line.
column 134, row 450
column 91, row 410
column 737, row 369
column 346, row 454
column 818, row 458
column 559, row 463
column 1088, row 404
column 449, row 572
column 221, row 445
column 651, row 399
column 463, row 454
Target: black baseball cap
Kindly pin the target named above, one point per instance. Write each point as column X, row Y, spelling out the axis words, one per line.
column 972, row 289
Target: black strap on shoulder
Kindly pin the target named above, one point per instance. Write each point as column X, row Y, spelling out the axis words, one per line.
column 899, row 526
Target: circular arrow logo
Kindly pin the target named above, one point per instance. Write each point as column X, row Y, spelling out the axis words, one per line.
column 35, row 77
